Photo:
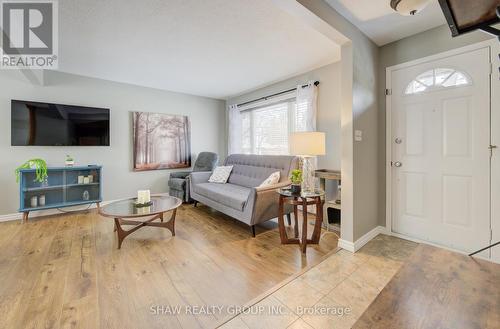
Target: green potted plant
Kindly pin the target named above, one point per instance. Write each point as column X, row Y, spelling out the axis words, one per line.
column 296, row 179
column 38, row 164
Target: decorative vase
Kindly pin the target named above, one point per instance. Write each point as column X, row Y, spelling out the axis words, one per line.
column 295, row 189
column 80, row 179
column 34, row 202
column 41, row 200
column 86, row 195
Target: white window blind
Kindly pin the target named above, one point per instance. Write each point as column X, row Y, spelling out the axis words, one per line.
column 263, row 126
column 265, row 129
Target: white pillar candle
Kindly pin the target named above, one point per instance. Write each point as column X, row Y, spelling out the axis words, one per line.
column 147, row 196
column 140, row 196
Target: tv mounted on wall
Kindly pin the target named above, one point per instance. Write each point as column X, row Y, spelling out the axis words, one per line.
column 47, row 124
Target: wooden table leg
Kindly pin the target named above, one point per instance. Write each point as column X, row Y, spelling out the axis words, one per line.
column 296, row 218
column 122, row 234
column 303, row 242
column 281, row 221
column 319, row 221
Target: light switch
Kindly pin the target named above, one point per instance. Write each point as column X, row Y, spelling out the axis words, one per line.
column 358, row 135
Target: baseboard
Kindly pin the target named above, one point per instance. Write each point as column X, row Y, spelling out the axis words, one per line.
column 346, row 245
column 359, row 243
column 51, row 212
column 48, row 212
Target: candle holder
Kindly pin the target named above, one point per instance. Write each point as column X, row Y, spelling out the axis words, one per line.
column 143, row 199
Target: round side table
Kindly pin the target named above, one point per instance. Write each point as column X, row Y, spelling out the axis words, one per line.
column 303, row 199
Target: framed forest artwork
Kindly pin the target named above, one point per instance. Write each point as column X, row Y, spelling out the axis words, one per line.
column 161, row 141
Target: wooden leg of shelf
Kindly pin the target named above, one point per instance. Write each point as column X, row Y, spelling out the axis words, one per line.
column 25, row 216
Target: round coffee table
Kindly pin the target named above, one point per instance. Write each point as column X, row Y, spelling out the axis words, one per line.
column 121, row 210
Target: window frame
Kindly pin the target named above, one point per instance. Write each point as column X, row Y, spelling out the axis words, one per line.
column 437, row 87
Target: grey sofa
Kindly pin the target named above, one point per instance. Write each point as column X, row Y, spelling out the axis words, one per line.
column 240, row 197
column 178, row 185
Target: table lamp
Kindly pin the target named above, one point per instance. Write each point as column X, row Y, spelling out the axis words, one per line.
column 307, row 145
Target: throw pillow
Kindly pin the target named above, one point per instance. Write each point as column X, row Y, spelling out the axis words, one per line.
column 272, row 179
column 220, row 174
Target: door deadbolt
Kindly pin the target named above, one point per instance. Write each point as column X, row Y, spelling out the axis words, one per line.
column 398, row 164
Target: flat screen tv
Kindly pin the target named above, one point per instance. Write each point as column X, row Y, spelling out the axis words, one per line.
column 47, row 124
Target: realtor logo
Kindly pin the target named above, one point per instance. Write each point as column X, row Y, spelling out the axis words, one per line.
column 29, row 34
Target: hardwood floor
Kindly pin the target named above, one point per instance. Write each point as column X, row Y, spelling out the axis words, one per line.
column 437, row 288
column 66, row 271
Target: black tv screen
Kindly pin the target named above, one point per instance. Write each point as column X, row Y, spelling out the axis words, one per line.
column 47, row 124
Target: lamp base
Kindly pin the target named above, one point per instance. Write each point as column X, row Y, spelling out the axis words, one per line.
column 308, row 179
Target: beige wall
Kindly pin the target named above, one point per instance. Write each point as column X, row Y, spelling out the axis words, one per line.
column 329, row 107
column 206, row 116
column 424, row 44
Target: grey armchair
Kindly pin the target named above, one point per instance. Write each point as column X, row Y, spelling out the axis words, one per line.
column 178, row 183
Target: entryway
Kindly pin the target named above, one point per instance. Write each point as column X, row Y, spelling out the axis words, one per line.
column 440, row 149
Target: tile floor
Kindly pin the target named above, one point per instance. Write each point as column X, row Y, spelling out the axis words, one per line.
column 332, row 294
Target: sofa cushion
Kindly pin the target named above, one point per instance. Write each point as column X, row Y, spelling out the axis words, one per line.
column 220, row 174
column 251, row 170
column 177, row 183
column 230, row 195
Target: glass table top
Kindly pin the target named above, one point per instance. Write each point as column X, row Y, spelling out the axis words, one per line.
column 127, row 208
column 302, row 194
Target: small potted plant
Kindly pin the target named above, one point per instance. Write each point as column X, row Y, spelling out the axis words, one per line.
column 38, row 164
column 70, row 162
column 296, row 179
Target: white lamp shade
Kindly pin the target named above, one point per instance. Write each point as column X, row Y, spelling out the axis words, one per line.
column 307, row 143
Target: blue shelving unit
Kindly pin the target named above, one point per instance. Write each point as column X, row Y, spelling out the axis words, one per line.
column 61, row 189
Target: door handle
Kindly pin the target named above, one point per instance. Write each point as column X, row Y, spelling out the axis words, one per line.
column 398, row 164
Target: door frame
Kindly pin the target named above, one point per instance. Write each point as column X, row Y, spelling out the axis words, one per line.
column 495, row 99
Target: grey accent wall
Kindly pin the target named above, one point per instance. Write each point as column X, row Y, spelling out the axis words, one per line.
column 329, row 106
column 431, row 42
column 364, row 117
column 207, row 118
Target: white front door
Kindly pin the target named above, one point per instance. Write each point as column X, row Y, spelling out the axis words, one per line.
column 440, row 151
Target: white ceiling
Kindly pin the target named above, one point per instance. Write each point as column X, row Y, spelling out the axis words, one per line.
column 215, row 48
column 382, row 24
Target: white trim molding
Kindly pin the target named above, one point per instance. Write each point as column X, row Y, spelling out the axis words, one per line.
column 359, row 243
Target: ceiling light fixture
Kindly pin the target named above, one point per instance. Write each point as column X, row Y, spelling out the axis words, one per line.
column 408, row 7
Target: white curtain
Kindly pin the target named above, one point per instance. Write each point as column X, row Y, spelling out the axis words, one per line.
column 307, row 107
column 306, row 111
column 234, row 130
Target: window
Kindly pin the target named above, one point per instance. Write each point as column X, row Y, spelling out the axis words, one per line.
column 437, row 79
column 265, row 130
